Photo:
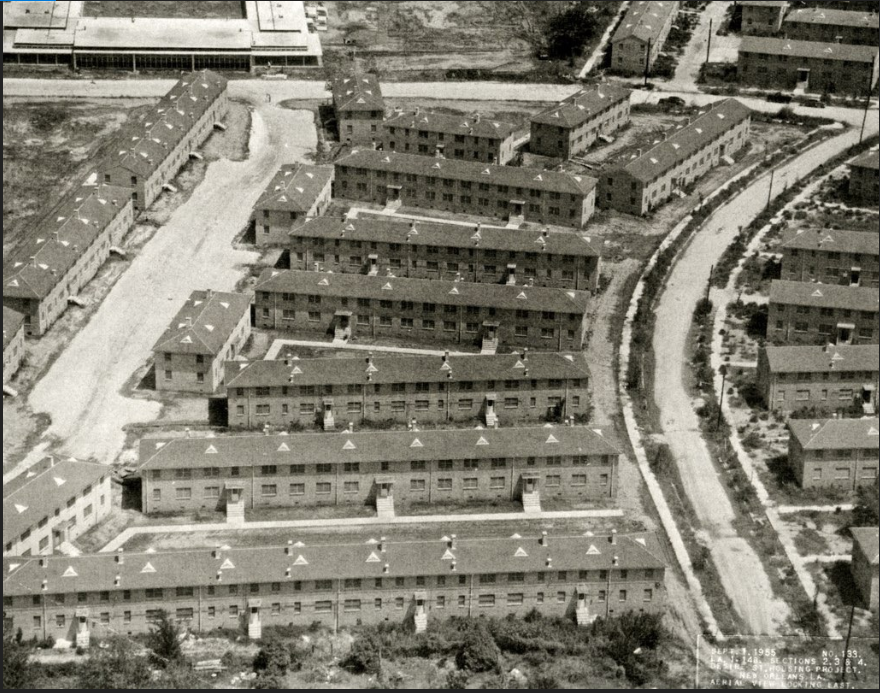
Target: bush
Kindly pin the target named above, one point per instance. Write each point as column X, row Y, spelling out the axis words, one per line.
column 865, row 512
column 456, row 680
column 478, row 652
column 164, row 641
column 272, row 658
column 365, row 656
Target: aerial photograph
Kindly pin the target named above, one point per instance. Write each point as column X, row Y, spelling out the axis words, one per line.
column 427, row 344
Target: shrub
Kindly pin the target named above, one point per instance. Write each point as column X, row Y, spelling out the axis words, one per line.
column 365, row 656
column 478, row 652
column 273, row 657
column 164, row 641
column 456, row 680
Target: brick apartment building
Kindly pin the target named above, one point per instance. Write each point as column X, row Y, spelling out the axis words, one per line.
column 53, row 502
column 360, row 108
column 63, row 253
column 152, row 150
column 13, row 343
column 347, row 306
column 298, row 192
column 864, row 178
column 502, row 389
column 641, row 35
column 865, row 563
column 210, row 329
column 772, row 63
column 356, row 581
column 830, row 26
column 686, row 154
column 420, row 250
column 831, row 256
column 378, row 469
column 830, row 377
column 572, row 126
column 471, row 138
column 840, row 453
column 807, row 313
column 762, row 17
column 466, row 187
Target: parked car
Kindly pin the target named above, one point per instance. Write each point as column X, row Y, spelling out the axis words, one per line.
column 779, row 97
column 813, row 103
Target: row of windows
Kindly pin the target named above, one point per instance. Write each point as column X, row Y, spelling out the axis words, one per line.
column 70, row 521
column 829, row 311
column 425, row 134
column 842, row 473
column 379, row 388
column 807, row 376
column 824, row 329
column 843, row 394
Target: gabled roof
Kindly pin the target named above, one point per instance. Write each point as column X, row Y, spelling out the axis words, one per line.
column 357, row 93
column 824, row 295
column 860, row 358
column 142, row 146
column 295, row 188
column 833, row 241
column 644, row 20
column 53, row 248
column 808, row 49
column 820, row 15
column 685, row 140
column 374, row 446
column 870, row 159
column 354, row 557
column 437, row 291
column 39, row 491
column 406, row 369
column 383, row 230
column 836, row 434
column 12, row 322
column 516, row 176
column 582, row 106
column 866, row 541
column 204, row 323
column 475, row 126
column 764, row 3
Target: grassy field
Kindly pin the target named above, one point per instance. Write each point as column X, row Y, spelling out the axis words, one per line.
column 204, row 9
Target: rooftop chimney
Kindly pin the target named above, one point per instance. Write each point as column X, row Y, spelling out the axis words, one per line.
column 615, row 561
column 34, row 260
column 525, row 354
column 289, row 549
column 383, row 544
column 120, row 559
column 451, row 542
column 453, row 566
column 477, row 117
column 386, row 568
column 351, row 426
column 189, row 321
column 549, row 562
column 209, row 293
column 613, row 538
column 418, row 110
column 544, row 540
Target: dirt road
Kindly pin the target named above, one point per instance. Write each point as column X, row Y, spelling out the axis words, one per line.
column 722, row 48
column 82, row 392
column 741, row 570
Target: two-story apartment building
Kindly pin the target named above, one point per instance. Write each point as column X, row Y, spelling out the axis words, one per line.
column 831, row 377
column 865, row 562
column 807, row 313
column 864, row 178
column 153, row 149
column 649, row 178
column 466, row 187
column 298, row 192
column 639, row 38
column 506, row 389
column 778, row 63
column 840, row 453
column 762, row 17
column 573, row 125
column 51, row 503
column 429, row 250
column 13, row 343
column 435, row 310
column 63, row 253
column 380, row 468
column 210, row 329
column 831, row 256
column 830, row 26
column 360, row 108
column 472, row 138
column 358, row 580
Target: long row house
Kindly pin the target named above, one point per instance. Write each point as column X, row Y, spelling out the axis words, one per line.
column 501, row 389
column 683, row 156
column 831, row 256
column 434, row 310
column 378, row 469
column 342, row 584
column 840, row 453
column 639, row 39
column 429, row 250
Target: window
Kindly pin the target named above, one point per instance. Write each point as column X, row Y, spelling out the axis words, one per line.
column 486, row 600
column 323, row 607
column 496, row 482
column 417, row 484
column 515, row 599
column 553, row 480
column 183, row 493
column 297, row 489
column 269, row 490
column 444, row 484
column 469, row 483
column 350, row 487
column 323, row 488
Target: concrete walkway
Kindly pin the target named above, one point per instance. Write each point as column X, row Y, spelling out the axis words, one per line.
column 355, row 212
column 789, row 509
column 131, row 532
column 279, row 344
column 596, row 55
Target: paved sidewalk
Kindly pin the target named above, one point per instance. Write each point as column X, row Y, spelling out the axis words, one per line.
column 788, row 509
column 127, row 535
column 278, row 344
column 596, row 55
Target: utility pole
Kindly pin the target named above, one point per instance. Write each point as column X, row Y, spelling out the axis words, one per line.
column 647, row 62
column 865, row 115
column 770, row 189
column 852, row 615
column 723, row 370
column 709, row 283
column 709, row 42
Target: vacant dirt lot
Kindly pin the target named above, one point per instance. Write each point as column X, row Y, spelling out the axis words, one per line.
column 204, row 9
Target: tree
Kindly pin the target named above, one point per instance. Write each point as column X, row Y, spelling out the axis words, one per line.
column 273, row 657
column 866, row 512
column 365, row 656
column 16, row 673
column 118, row 665
column 164, row 641
column 569, row 31
column 478, row 651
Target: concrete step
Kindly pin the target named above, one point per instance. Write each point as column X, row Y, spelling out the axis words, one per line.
column 531, row 502
column 235, row 513
column 255, row 630
column 421, row 622
column 583, row 617
column 385, row 508
column 83, row 638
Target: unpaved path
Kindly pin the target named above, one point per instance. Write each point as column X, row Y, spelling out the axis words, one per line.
column 721, row 49
column 83, row 391
column 740, row 568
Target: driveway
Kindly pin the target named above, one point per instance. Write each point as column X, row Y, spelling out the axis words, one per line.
column 741, row 570
column 83, row 392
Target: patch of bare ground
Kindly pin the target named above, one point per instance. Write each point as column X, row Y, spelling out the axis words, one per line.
column 204, row 9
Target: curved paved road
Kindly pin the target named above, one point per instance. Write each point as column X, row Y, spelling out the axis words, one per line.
column 741, row 570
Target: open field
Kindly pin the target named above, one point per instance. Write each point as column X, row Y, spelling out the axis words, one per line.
column 203, row 9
